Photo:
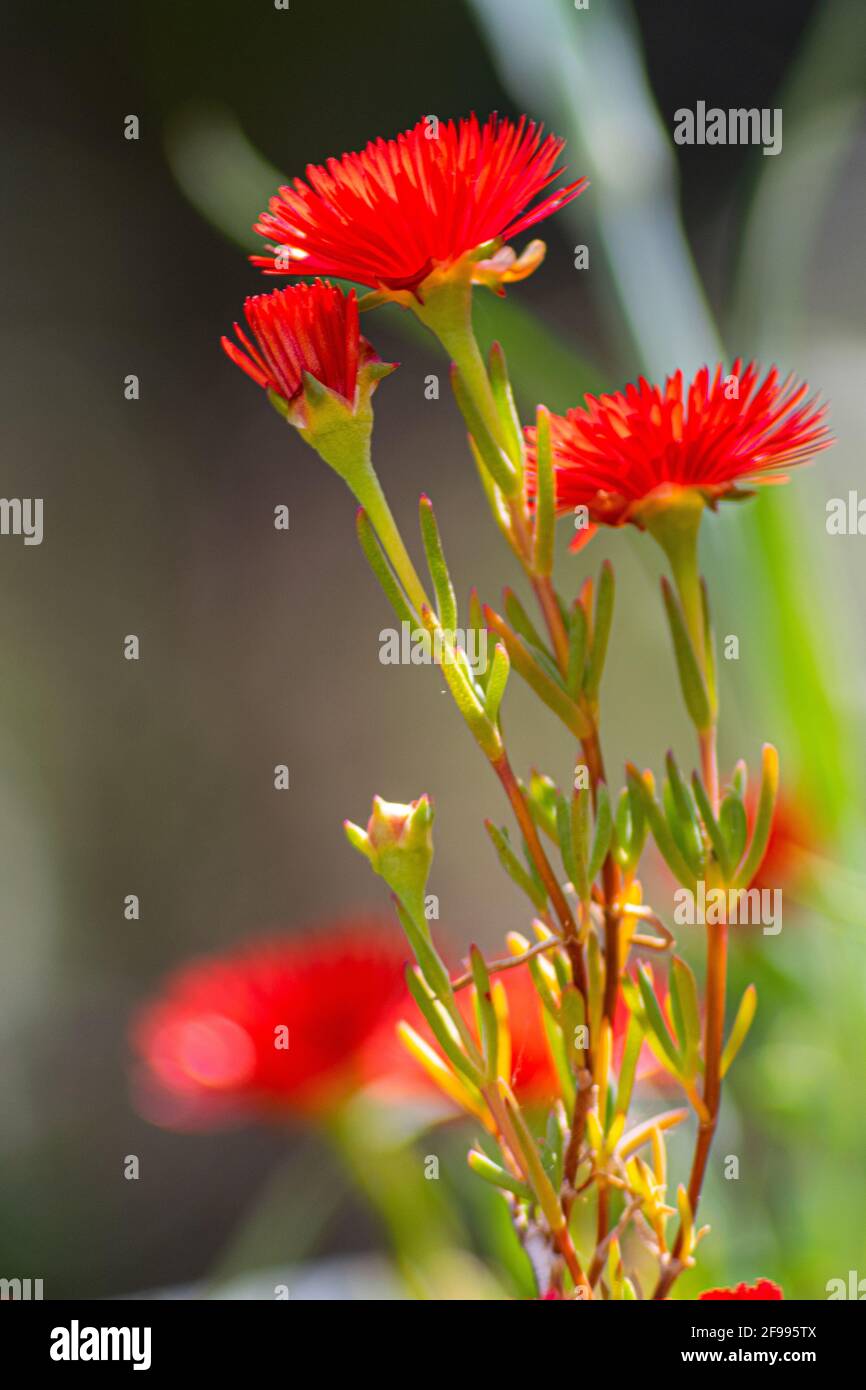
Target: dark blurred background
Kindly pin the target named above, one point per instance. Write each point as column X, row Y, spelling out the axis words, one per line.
column 259, row 647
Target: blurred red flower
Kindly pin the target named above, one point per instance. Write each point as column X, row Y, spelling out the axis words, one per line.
column 304, row 328
column 401, row 208
column 763, row 1291
column 626, row 455
column 792, row 837
column 275, row 1026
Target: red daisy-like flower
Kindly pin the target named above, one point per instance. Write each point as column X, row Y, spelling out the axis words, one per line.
column 625, row 456
column 399, row 209
column 304, row 328
column 764, row 1291
column 273, row 1027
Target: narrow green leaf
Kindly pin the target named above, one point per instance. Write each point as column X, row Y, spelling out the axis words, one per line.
column 682, row 817
column 505, row 407
column 572, row 1017
column 553, row 1150
column 488, row 1024
column 691, row 679
column 430, row 963
column 556, row 1044
column 498, row 1177
column 659, row 827
column 602, row 833
column 709, row 652
column 543, row 795
column 566, row 845
column 545, row 687
column 655, row 1020
column 684, row 996
column 446, row 601
column 579, row 827
column 547, row 1198
column 711, row 825
column 601, row 631
column 763, row 817
column 595, row 971
column 497, row 681
column 577, row 634
column 734, row 827
column 543, row 990
column 463, row 690
column 545, row 496
column 441, row 1026
column 375, row 557
column 513, row 867
column 742, row 1024
column 521, row 621
column 628, row 1068
column 500, row 468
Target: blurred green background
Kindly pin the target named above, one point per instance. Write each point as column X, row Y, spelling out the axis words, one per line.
column 259, row 647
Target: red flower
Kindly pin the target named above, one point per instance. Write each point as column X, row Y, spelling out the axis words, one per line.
column 401, row 208
column 274, row 1026
column 305, row 328
column 792, row 838
column 764, row 1291
column 629, row 454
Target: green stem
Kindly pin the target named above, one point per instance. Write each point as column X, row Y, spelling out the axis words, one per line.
column 676, row 530
column 368, row 490
column 448, row 314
